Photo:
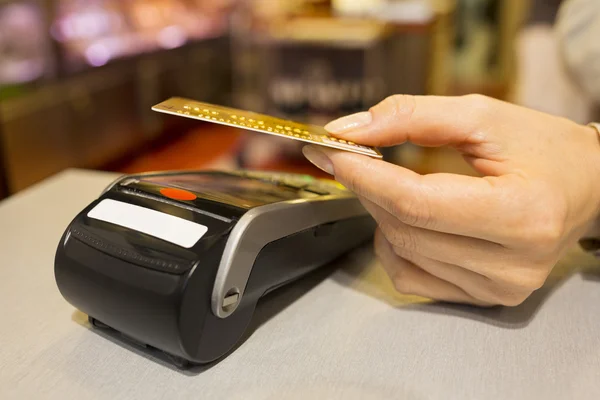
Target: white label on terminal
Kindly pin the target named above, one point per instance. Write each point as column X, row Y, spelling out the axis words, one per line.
column 167, row 227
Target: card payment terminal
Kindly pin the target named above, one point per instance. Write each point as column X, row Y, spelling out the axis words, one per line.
column 179, row 260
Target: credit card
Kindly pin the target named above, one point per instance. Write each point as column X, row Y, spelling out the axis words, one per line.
column 260, row 123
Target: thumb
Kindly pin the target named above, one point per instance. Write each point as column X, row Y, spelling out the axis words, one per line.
column 422, row 120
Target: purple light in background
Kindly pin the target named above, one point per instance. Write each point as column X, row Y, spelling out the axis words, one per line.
column 86, row 25
column 22, row 43
column 171, row 37
column 97, row 55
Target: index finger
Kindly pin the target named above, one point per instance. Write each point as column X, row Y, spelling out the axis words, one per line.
column 422, row 120
column 456, row 204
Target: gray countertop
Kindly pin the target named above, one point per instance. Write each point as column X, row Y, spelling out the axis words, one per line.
column 342, row 333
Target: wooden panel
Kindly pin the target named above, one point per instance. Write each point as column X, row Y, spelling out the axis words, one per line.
column 103, row 109
column 37, row 139
column 86, row 121
column 3, row 179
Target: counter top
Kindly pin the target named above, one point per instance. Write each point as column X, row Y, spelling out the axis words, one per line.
column 342, row 333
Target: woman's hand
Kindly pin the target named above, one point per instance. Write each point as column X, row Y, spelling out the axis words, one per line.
column 489, row 240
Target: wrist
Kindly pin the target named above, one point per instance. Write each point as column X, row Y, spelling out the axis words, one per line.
column 593, row 228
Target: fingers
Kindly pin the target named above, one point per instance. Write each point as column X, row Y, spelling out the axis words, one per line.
column 419, row 275
column 411, row 280
column 470, row 266
column 470, row 253
column 457, row 204
column 422, row 120
column 477, row 286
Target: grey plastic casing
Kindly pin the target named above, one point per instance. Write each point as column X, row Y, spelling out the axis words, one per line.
column 263, row 225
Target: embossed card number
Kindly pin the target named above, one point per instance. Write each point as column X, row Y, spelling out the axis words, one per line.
column 260, row 123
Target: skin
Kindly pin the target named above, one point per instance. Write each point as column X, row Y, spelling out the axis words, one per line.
column 486, row 240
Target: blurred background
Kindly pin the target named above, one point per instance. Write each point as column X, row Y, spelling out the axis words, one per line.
column 78, row 77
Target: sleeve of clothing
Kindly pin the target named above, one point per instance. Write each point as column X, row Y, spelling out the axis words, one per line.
column 543, row 81
column 578, row 29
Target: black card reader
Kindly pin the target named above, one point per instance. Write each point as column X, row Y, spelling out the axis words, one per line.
column 178, row 260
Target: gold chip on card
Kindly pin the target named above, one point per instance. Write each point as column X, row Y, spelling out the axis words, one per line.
column 259, row 123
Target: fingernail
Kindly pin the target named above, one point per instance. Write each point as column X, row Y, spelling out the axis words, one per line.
column 349, row 122
column 318, row 158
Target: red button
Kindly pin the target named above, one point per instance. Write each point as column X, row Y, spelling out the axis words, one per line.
column 177, row 194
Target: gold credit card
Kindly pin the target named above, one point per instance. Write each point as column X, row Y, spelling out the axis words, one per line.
column 259, row 123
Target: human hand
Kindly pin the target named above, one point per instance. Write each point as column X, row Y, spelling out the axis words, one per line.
column 487, row 240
